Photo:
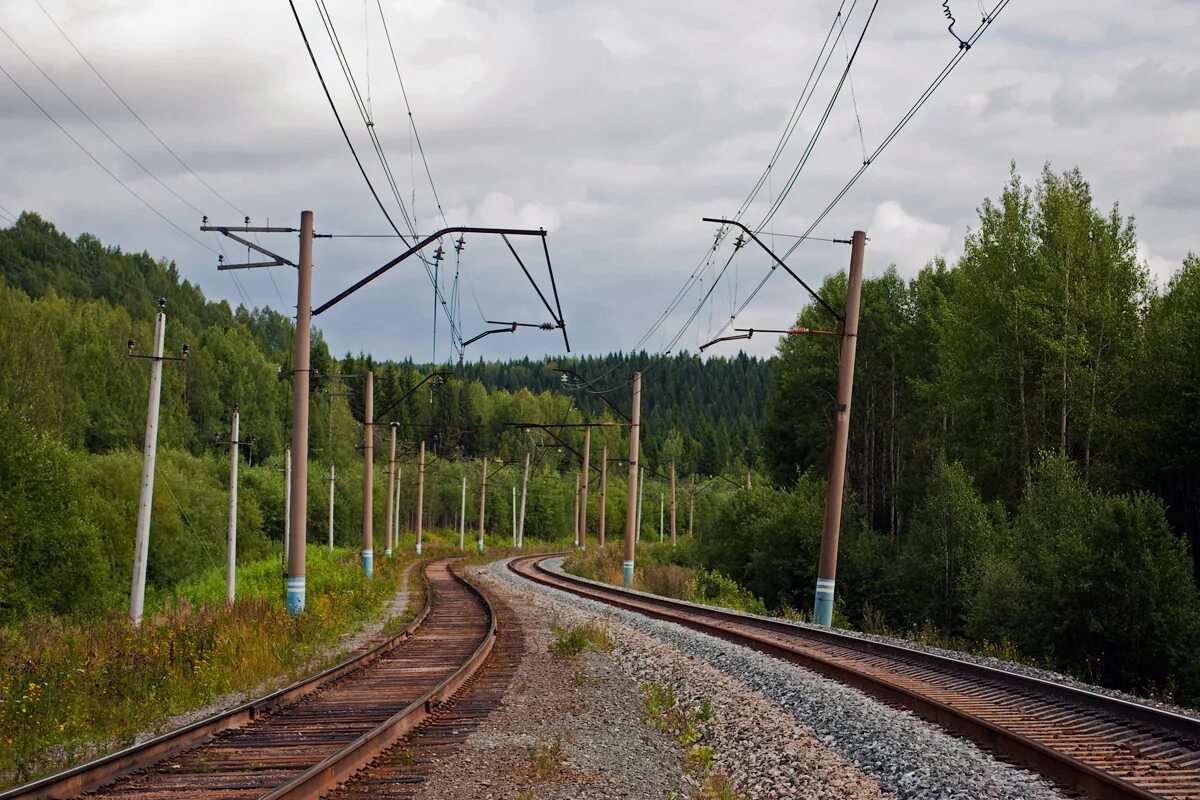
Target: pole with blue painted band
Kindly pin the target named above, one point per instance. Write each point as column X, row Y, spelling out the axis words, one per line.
column 368, row 547
column 299, row 511
column 295, row 595
column 827, row 566
column 631, row 516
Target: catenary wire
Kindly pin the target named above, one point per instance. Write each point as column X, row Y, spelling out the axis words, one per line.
column 100, row 164
column 134, row 114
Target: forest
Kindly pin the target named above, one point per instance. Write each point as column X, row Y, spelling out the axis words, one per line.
column 1024, row 468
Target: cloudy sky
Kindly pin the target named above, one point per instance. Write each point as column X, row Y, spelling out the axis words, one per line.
column 615, row 126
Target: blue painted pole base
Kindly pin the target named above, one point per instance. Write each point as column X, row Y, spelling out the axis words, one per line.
column 388, row 552
column 480, row 543
column 823, row 602
column 295, row 596
column 368, row 562
column 418, row 548
column 628, row 574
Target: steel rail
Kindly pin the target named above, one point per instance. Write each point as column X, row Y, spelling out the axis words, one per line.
column 343, row 764
column 802, row 644
column 108, row 769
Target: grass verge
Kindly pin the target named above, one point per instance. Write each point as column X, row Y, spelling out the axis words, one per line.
column 74, row 690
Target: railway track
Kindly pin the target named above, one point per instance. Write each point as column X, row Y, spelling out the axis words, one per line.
column 304, row 740
column 1102, row 746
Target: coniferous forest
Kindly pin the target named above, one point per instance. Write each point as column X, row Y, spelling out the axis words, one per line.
column 1024, row 456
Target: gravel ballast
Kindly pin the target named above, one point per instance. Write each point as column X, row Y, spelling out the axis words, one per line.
column 909, row 757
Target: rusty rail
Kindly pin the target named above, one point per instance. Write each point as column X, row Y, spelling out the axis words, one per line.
column 297, row 700
column 1107, row 747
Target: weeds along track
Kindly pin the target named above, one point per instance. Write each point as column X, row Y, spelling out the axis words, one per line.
column 305, row 739
column 1103, row 746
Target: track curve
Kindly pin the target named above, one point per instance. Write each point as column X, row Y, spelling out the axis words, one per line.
column 1106, row 747
column 305, row 739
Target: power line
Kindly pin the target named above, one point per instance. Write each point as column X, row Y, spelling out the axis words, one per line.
column 801, row 105
column 134, row 114
column 343, row 62
column 100, row 164
column 904, row 120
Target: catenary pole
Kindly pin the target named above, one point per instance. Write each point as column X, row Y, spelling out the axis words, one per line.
column 603, row 490
column 368, row 545
column 482, row 501
column 231, row 545
column 662, row 508
column 420, row 496
column 141, row 543
column 300, row 379
column 389, row 537
column 514, row 515
column 631, row 506
column 287, row 502
column 524, row 492
column 673, row 514
column 827, row 567
column 462, row 516
column 583, row 500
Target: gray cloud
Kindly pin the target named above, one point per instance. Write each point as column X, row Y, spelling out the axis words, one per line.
column 616, row 126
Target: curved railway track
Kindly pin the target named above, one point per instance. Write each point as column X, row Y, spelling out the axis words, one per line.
column 1106, row 747
column 303, row 740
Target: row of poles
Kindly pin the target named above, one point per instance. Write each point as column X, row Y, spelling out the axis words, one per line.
column 296, row 467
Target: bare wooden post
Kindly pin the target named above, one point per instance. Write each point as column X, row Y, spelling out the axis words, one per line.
column 583, row 501
column 575, row 513
column 672, row 502
column 631, row 509
column 603, row 489
column 420, row 520
column 482, row 501
column 388, row 525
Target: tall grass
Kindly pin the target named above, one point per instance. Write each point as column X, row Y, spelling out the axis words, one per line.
column 664, row 570
column 71, row 690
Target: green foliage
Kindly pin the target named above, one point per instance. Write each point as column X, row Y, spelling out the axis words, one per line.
column 68, row 689
column 572, row 640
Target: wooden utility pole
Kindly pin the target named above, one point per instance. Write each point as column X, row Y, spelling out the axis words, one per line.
column 631, row 508
column 141, row 542
column 231, row 546
column 640, row 498
column 420, row 495
column 583, row 501
column 524, row 491
column 692, row 505
column 827, row 567
column 673, row 502
column 368, row 546
column 332, row 478
column 482, row 501
column 462, row 516
column 396, row 508
column 575, row 513
column 603, row 489
column 391, row 500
